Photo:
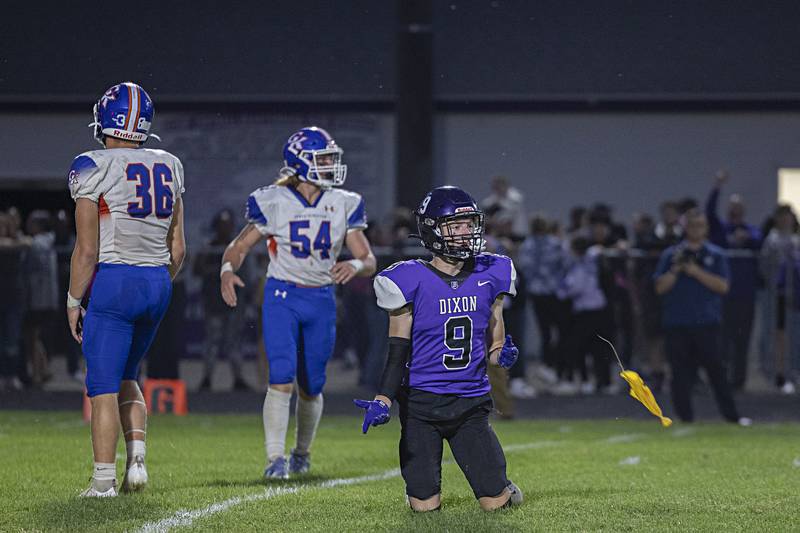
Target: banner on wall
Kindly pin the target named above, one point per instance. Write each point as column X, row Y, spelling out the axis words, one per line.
column 226, row 157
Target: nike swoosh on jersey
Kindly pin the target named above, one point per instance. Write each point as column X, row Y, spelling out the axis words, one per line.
column 482, row 283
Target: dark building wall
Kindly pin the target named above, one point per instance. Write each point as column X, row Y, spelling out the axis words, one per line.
column 632, row 161
column 345, row 51
column 616, row 48
column 200, row 50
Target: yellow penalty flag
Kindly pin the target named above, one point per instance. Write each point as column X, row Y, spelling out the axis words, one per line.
column 639, row 390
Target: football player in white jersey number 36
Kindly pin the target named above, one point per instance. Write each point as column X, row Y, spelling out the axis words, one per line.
column 305, row 221
column 129, row 224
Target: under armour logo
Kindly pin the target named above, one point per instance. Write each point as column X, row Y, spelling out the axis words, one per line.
column 329, row 208
column 280, row 293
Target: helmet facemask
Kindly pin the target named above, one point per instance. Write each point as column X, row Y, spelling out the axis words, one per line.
column 460, row 235
column 98, row 127
column 325, row 167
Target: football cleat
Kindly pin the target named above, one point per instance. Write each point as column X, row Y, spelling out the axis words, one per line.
column 136, row 475
column 299, row 464
column 91, row 492
column 277, row 469
column 516, row 494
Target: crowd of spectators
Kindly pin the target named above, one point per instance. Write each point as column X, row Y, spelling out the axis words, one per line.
column 593, row 276
column 32, row 277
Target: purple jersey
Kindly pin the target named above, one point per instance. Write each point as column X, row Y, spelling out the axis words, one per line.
column 451, row 316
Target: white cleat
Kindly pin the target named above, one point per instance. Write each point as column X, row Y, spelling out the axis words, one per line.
column 136, row 476
column 91, row 492
column 516, row 494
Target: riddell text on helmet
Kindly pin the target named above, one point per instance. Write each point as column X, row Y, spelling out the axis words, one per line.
column 121, row 134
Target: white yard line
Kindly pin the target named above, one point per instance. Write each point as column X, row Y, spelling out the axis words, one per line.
column 623, row 438
column 683, row 432
column 532, row 445
column 185, row 518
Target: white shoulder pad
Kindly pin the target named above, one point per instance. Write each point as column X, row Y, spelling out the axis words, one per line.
column 354, row 209
column 512, row 290
column 181, row 177
column 389, row 295
column 86, row 175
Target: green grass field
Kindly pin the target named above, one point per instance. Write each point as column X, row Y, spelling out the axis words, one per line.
column 577, row 476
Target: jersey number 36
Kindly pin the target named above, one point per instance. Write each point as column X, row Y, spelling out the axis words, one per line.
column 160, row 196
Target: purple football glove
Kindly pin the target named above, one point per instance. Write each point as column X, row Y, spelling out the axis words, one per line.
column 377, row 413
column 508, row 354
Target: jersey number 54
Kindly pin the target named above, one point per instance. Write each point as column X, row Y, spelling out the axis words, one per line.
column 301, row 244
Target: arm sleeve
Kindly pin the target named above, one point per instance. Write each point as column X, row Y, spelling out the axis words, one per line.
column 356, row 213
column 258, row 214
column 86, row 178
column 395, row 369
column 390, row 296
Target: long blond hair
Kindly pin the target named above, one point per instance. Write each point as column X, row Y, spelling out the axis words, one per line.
column 287, row 178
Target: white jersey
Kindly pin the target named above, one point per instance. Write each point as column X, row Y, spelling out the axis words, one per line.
column 135, row 190
column 304, row 239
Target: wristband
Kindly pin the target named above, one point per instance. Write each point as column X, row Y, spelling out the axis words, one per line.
column 358, row 264
column 226, row 267
column 72, row 302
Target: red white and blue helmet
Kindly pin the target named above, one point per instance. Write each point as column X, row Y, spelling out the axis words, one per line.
column 124, row 112
column 312, row 155
column 442, row 207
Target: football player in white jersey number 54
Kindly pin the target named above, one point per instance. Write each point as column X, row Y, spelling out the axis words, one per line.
column 305, row 221
column 129, row 224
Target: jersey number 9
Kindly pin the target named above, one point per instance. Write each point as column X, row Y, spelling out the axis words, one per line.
column 458, row 337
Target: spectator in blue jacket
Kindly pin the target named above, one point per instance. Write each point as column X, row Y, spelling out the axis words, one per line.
column 691, row 278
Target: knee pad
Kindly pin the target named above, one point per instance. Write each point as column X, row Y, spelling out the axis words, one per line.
column 281, row 371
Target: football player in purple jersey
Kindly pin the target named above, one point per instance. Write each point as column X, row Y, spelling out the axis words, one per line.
column 443, row 314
